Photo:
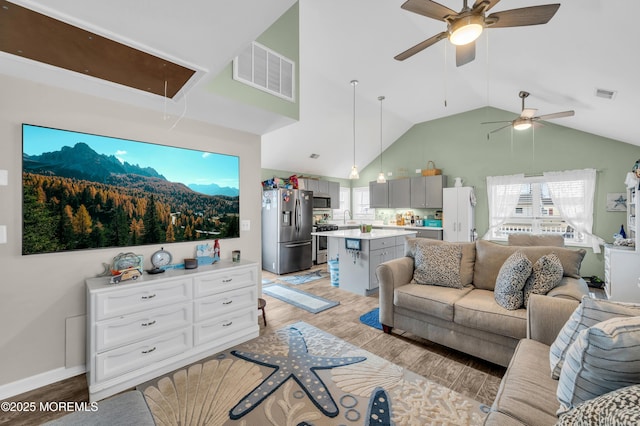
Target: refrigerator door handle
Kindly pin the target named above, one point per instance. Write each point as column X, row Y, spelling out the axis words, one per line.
column 306, row 243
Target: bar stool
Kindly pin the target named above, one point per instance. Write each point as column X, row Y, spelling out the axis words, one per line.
column 261, row 304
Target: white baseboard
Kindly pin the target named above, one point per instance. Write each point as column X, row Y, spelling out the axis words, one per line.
column 39, row 380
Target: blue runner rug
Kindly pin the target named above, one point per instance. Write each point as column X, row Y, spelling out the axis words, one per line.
column 301, row 299
column 372, row 319
column 304, row 278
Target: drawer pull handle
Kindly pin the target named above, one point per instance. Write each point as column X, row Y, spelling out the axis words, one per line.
column 151, row 296
column 147, row 324
column 149, row 350
column 228, row 302
column 227, row 324
column 228, row 280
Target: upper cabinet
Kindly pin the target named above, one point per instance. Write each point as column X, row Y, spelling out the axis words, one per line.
column 378, row 195
column 426, row 191
column 334, row 194
column 399, row 193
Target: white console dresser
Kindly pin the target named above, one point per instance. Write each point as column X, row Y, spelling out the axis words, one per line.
column 139, row 330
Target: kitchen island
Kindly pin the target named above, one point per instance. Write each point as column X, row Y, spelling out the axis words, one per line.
column 360, row 253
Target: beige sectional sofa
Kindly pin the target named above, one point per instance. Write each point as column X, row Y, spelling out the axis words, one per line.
column 527, row 393
column 468, row 319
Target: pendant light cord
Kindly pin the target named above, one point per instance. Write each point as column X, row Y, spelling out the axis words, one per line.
column 381, row 98
column 354, row 83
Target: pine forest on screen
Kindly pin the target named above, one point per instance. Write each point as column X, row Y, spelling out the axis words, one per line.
column 84, row 191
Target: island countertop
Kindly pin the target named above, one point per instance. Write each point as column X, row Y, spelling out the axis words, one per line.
column 373, row 235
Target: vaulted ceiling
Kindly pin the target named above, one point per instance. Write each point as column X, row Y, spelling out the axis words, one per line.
column 588, row 45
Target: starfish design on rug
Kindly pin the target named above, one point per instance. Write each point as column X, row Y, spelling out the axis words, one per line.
column 299, row 365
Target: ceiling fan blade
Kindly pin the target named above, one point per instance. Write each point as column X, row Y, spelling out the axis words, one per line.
column 494, row 122
column 556, row 115
column 528, row 112
column 485, row 4
column 420, row 46
column 498, row 129
column 465, row 53
column 533, row 15
column 428, row 8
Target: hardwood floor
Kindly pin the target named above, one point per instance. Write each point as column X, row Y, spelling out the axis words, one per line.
column 468, row 375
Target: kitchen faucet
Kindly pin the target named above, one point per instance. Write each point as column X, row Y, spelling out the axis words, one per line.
column 344, row 216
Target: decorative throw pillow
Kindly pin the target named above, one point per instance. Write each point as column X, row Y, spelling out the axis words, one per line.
column 604, row 357
column 438, row 265
column 545, row 275
column 620, row 407
column 511, row 279
column 590, row 312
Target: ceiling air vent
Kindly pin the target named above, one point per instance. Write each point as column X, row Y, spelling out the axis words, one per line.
column 262, row 68
column 606, row 94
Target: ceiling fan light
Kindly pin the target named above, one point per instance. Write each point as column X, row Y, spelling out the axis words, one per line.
column 521, row 124
column 354, row 173
column 466, row 30
column 381, row 178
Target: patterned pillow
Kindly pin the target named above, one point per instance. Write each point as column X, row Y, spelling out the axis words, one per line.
column 546, row 274
column 438, row 265
column 588, row 313
column 511, row 279
column 620, row 407
column 603, row 358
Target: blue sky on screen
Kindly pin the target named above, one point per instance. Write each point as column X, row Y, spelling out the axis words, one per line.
column 176, row 164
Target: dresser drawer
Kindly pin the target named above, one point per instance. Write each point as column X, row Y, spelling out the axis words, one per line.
column 141, row 354
column 141, row 297
column 141, row 325
column 224, row 280
column 225, row 325
column 222, row 303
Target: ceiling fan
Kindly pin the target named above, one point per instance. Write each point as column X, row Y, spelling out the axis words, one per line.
column 527, row 117
column 464, row 27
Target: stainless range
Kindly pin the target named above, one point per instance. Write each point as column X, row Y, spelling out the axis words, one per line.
column 319, row 243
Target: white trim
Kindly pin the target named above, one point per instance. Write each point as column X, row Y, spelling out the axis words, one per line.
column 39, row 380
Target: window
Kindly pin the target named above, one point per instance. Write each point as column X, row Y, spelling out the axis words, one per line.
column 555, row 203
column 361, row 208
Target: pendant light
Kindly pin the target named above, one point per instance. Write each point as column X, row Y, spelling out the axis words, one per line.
column 381, row 178
column 354, row 170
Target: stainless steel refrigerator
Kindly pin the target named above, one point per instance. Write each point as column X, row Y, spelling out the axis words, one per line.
column 286, row 230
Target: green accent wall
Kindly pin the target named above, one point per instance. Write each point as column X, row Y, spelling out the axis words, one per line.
column 282, row 37
column 459, row 146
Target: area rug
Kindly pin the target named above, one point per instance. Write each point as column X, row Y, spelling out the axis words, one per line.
column 372, row 319
column 305, row 278
column 300, row 375
column 301, row 299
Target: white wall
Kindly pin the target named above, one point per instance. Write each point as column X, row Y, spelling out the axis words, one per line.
column 42, row 296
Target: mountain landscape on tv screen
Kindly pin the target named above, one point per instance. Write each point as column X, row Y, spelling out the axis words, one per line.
column 77, row 198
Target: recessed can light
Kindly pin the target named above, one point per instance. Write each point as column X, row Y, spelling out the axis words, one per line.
column 314, row 156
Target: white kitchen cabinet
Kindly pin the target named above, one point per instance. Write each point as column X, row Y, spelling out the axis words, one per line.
column 458, row 218
column 138, row 330
column 621, row 273
column 426, row 191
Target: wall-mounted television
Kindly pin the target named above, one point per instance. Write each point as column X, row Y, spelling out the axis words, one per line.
column 83, row 191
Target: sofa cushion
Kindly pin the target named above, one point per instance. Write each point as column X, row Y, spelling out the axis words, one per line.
column 491, row 256
column 432, row 300
column 526, row 391
column 545, row 275
column 620, row 407
column 510, row 281
column 525, row 239
column 438, row 265
column 479, row 310
column 590, row 312
column 466, row 262
column 603, row 358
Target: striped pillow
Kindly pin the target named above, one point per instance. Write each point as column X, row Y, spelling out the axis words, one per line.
column 590, row 312
column 603, row 358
